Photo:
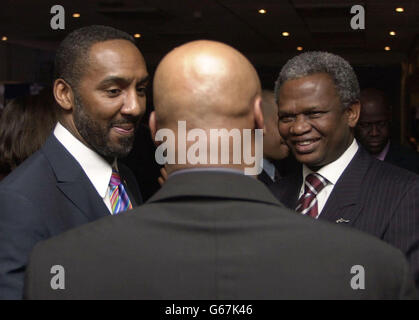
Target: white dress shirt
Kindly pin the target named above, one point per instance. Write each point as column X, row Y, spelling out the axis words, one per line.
column 97, row 169
column 332, row 173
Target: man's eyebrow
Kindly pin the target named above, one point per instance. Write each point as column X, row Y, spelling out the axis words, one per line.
column 120, row 80
column 145, row 79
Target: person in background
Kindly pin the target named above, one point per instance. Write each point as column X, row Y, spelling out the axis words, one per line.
column 274, row 147
column 373, row 132
column 25, row 125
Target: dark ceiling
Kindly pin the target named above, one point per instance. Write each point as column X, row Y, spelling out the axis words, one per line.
column 163, row 24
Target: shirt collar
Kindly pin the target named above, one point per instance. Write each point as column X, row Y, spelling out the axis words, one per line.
column 207, row 169
column 384, row 152
column 334, row 170
column 97, row 169
column 269, row 168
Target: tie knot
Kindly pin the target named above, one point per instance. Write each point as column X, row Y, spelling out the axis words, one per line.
column 115, row 179
column 315, row 183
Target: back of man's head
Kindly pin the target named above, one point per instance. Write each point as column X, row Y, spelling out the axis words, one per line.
column 209, row 84
column 72, row 55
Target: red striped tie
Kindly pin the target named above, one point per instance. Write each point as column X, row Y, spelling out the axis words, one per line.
column 307, row 203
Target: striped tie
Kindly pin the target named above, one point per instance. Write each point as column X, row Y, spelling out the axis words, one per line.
column 307, row 204
column 118, row 196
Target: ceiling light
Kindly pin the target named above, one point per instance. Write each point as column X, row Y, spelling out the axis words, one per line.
column 137, row 35
column 300, row 48
column 387, row 48
column 262, row 11
column 76, row 15
column 392, row 33
column 285, row 34
column 400, row 9
column 4, row 38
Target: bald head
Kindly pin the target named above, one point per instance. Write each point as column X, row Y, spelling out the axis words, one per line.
column 206, row 83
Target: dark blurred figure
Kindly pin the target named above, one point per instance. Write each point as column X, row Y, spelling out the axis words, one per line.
column 142, row 163
column 274, row 147
column 373, row 131
column 25, row 124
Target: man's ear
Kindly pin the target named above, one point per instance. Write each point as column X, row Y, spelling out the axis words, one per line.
column 258, row 114
column 353, row 113
column 153, row 127
column 63, row 94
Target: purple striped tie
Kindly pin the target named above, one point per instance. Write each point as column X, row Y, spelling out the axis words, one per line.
column 307, row 204
column 118, row 196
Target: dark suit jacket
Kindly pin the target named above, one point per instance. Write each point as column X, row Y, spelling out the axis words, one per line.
column 403, row 157
column 372, row 196
column 213, row 235
column 48, row 194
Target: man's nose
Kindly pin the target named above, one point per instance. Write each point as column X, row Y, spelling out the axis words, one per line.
column 300, row 126
column 132, row 104
column 374, row 130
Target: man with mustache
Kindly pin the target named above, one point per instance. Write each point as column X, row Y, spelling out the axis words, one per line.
column 75, row 178
column 318, row 108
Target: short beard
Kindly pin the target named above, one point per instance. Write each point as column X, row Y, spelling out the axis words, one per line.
column 97, row 137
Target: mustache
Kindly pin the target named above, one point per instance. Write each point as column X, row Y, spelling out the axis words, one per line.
column 126, row 120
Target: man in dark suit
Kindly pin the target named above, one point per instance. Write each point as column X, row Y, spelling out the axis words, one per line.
column 211, row 232
column 75, row 177
column 373, row 132
column 318, row 108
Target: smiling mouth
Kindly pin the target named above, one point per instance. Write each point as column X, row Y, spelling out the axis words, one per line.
column 306, row 146
column 124, row 129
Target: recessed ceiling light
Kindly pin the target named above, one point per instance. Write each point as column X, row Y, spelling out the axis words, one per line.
column 285, row 34
column 392, row 33
column 387, row 48
column 300, row 48
column 76, row 15
column 137, row 35
column 262, row 11
column 400, row 9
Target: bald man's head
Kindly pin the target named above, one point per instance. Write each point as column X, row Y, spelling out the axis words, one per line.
column 207, row 86
column 373, row 129
column 206, row 83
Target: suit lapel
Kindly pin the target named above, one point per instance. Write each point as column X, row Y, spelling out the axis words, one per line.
column 344, row 203
column 265, row 178
column 72, row 180
column 288, row 189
